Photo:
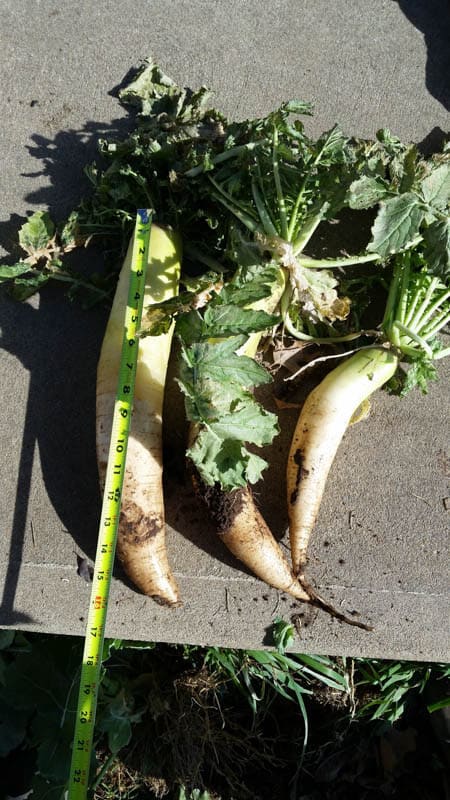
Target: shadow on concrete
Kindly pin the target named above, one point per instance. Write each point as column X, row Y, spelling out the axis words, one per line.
column 59, row 345
column 432, row 17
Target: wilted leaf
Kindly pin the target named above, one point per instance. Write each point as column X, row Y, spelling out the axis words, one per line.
column 366, row 192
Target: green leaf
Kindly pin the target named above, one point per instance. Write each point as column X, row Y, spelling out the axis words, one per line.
column 46, row 790
column 36, row 233
column 54, row 742
column 366, row 192
column 396, row 225
column 217, row 361
column 8, row 272
column 435, row 187
column 6, row 638
column 437, row 250
column 230, row 320
column 283, row 634
column 117, row 717
column 250, row 423
column 189, row 327
column 298, row 107
column 13, row 727
column 23, row 288
column 420, row 372
column 227, row 462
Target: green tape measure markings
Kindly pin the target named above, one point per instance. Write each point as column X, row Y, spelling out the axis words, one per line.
column 109, row 519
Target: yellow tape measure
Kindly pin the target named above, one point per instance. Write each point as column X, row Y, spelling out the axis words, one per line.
column 109, row 519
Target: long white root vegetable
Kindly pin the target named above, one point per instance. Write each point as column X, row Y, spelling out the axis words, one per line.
column 322, row 423
column 141, row 538
column 244, row 532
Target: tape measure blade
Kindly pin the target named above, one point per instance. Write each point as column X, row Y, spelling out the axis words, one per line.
column 109, row 517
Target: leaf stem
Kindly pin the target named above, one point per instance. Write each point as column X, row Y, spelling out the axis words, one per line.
column 387, row 322
column 348, row 337
column 308, row 229
column 61, row 276
column 417, row 318
column 269, row 227
column 403, row 300
column 414, row 336
column 243, row 216
column 225, row 155
column 437, row 326
column 280, row 195
column 332, row 263
column 433, row 308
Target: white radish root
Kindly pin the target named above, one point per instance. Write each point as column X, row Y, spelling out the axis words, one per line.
column 141, row 545
column 323, row 420
column 243, row 530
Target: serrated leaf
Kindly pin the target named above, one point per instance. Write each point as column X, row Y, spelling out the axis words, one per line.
column 396, row 225
column 437, row 250
column 218, row 362
column 36, row 233
column 218, row 461
column 436, row 187
column 226, row 462
column 419, row 373
column 230, row 320
column 189, row 327
column 250, row 423
column 366, row 192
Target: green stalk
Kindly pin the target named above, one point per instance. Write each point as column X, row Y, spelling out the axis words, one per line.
column 414, row 336
column 433, row 308
column 304, row 337
column 415, row 321
column 403, row 301
column 223, row 197
column 295, row 210
column 233, row 151
column 439, row 323
column 308, row 229
column 264, row 215
column 280, row 195
column 294, row 215
column 442, row 353
column 413, row 305
column 389, row 318
column 332, row 263
column 61, row 276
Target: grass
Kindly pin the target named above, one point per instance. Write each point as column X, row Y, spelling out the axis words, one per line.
column 191, row 723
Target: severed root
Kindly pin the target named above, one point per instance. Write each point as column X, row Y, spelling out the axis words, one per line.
column 319, row 602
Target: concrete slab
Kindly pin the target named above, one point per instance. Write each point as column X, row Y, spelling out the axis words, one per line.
column 381, row 543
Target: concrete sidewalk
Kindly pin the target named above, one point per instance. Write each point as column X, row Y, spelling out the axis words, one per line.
column 381, row 544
